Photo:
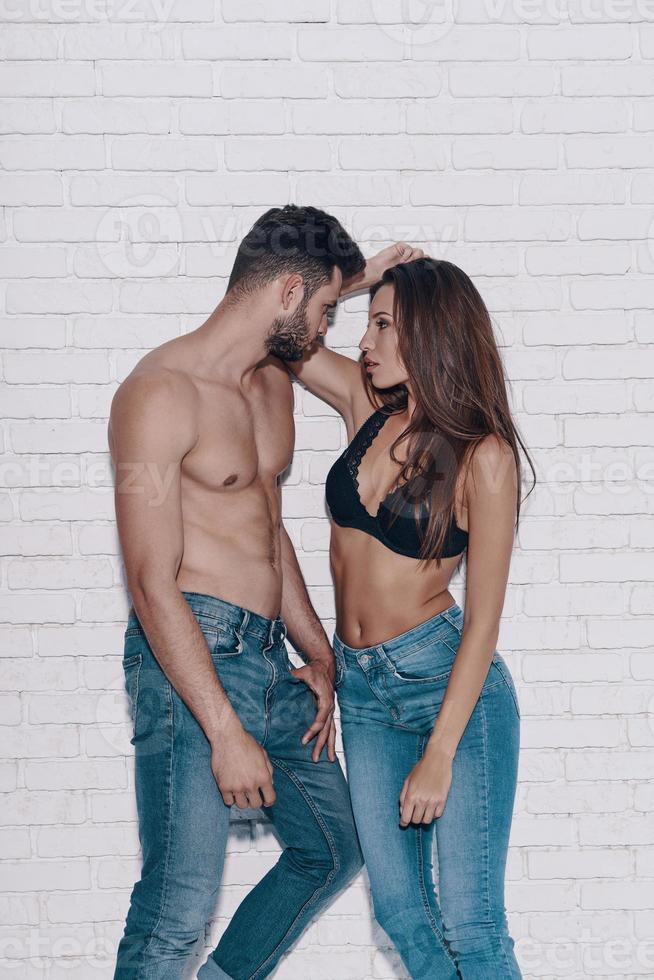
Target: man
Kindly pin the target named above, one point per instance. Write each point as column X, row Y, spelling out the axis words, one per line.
column 199, row 433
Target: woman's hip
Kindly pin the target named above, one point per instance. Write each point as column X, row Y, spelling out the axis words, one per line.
column 402, row 682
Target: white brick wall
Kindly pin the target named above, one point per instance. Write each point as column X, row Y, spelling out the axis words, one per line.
column 140, row 141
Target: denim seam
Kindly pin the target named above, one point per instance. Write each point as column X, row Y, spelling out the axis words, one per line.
column 331, row 875
column 138, row 663
column 489, row 910
column 421, row 742
column 171, row 757
column 384, row 698
column 269, row 693
column 452, row 622
column 506, row 681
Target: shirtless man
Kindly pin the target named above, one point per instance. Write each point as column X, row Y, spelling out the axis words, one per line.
column 199, row 433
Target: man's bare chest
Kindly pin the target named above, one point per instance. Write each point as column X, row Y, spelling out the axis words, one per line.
column 240, row 445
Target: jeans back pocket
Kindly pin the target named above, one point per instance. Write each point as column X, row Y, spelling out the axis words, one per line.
column 132, row 670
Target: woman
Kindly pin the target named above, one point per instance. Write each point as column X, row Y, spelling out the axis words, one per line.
column 429, row 711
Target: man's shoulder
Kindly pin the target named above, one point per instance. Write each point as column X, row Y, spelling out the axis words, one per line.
column 275, row 376
column 153, row 389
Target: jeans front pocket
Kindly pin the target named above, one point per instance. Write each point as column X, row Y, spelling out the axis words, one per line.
column 222, row 639
column 340, row 668
column 415, row 684
column 428, row 664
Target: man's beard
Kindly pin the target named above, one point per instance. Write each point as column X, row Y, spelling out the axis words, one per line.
column 289, row 338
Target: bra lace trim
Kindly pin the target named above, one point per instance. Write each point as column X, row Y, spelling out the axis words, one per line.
column 367, row 433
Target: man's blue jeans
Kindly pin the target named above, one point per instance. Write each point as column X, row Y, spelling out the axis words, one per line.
column 183, row 821
column 389, row 697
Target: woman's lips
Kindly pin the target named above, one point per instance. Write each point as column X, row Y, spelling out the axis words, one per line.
column 371, row 365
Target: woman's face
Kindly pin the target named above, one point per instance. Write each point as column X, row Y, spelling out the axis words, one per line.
column 382, row 359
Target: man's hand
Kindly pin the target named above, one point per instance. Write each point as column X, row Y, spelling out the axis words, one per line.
column 241, row 768
column 376, row 266
column 320, row 675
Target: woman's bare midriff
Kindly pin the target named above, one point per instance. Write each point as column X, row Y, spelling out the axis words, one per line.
column 379, row 593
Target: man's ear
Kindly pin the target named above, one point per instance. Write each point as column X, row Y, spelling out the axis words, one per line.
column 292, row 290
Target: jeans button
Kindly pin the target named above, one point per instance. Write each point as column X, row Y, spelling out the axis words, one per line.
column 365, row 658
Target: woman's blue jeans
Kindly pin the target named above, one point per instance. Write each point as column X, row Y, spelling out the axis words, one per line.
column 389, row 697
column 183, row 821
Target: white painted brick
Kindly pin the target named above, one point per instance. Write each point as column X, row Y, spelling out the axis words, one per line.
column 610, row 765
column 46, row 875
column 585, row 42
column 215, row 117
column 95, row 42
column 552, row 260
column 55, row 79
column 55, row 152
column 19, row 263
column 278, row 154
column 602, row 798
column 472, row 81
column 40, row 607
column 571, row 733
column 124, row 189
column 375, row 81
column 519, row 224
column 174, row 11
column 23, row 807
column 101, row 115
column 28, row 116
column 506, row 153
column 238, row 43
column 347, row 189
column 389, row 153
column 577, row 116
column 515, row 143
column 155, row 79
column 622, row 80
column 30, row 189
column 287, row 11
column 72, row 775
column 25, row 540
column 305, row 82
column 165, row 153
column 462, row 44
column 346, row 44
column 316, row 118
column 580, row 864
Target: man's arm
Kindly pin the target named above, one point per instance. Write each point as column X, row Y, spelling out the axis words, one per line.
column 309, row 638
column 305, row 630
column 152, row 427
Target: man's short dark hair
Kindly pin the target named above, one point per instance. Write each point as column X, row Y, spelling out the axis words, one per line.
column 294, row 239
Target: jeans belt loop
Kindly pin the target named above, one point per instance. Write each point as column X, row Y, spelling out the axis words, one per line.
column 241, row 628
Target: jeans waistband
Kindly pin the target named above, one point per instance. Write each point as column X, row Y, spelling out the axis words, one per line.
column 431, row 630
column 245, row 621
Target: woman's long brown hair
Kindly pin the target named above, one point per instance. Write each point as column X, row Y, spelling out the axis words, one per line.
column 447, row 344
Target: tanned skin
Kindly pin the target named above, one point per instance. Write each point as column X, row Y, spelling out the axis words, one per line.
column 380, row 594
column 199, row 434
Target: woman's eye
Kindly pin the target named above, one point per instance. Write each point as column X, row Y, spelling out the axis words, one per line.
column 381, row 324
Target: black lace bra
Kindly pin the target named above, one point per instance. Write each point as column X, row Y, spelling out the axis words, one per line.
column 393, row 526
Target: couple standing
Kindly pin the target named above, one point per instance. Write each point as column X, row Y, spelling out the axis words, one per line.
column 199, row 433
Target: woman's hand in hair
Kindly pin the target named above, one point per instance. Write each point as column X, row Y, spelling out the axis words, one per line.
column 376, row 266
